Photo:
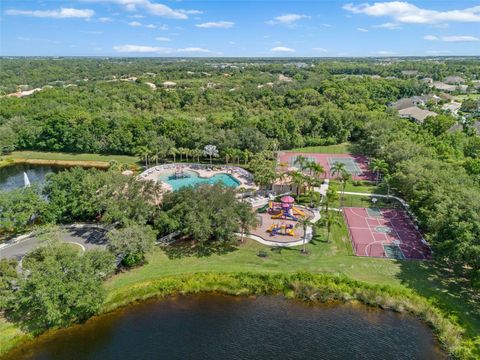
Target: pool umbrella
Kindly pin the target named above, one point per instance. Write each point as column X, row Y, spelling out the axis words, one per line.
column 287, row 199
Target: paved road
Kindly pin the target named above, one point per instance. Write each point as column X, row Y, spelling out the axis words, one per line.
column 87, row 237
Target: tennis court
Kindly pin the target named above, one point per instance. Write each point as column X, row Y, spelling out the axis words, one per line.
column 387, row 233
column 356, row 165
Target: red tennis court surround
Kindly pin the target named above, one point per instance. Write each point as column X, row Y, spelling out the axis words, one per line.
column 385, row 233
column 356, row 165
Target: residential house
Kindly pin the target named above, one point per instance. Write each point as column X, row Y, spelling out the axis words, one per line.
column 416, row 114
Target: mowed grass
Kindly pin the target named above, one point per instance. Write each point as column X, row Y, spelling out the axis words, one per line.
column 59, row 156
column 343, row 148
column 335, row 257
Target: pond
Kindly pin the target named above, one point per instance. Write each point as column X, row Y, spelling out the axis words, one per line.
column 224, row 327
column 11, row 177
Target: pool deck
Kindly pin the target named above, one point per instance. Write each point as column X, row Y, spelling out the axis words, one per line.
column 204, row 171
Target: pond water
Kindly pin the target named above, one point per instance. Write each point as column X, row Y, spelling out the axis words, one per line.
column 192, row 179
column 223, row 327
column 11, row 177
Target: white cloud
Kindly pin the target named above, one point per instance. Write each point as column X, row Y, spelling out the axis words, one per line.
column 405, row 12
column 195, row 50
column 151, row 26
column 140, row 49
column 216, row 24
column 191, row 12
column 163, row 27
column 62, row 13
column 162, row 38
column 134, row 24
column 327, row 25
column 137, row 16
column 282, row 49
column 104, row 19
column 151, row 7
column 388, row 25
column 287, row 19
column 452, row 38
column 385, row 52
column 362, row 29
column 460, row 38
column 321, row 50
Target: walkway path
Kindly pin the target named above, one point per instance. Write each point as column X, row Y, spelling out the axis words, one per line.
column 87, row 236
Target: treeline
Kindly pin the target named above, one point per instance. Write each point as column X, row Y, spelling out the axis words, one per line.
column 121, row 117
column 438, row 173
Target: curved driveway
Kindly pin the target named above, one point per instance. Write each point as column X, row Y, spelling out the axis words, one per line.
column 86, row 236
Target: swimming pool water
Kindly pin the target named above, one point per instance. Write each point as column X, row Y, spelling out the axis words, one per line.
column 194, row 180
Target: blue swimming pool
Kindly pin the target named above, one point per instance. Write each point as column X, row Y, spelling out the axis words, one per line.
column 193, row 180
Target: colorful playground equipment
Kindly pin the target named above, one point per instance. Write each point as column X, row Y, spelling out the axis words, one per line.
column 281, row 229
column 285, row 209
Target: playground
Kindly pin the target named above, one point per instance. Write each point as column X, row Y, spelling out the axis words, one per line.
column 279, row 221
column 387, row 233
column 356, row 165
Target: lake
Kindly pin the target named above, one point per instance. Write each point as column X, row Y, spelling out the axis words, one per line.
column 11, row 177
column 224, row 327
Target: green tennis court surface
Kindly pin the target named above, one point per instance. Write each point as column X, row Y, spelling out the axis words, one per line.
column 393, row 251
column 374, row 212
column 350, row 164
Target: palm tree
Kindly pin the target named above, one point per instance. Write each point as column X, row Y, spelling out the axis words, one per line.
column 246, row 156
column 379, row 167
column 181, row 151
column 330, row 197
column 300, row 162
column 298, row 179
column 197, row 153
column 210, row 151
column 337, row 168
column 187, row 153
column 143, row 152
column 317, row 169
column 247, row 218
column 330, row 219
column 304, row 223
column 344, row 178
column 173, row 151
column 387, row 180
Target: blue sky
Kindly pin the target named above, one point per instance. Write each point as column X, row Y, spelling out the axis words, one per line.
column 238, row 28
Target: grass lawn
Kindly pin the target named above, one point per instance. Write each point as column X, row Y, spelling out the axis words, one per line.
column 463, row 97
column 454, row 298
column 333, row 258
column 58, row 156
column 329, row 149
column 361, row 187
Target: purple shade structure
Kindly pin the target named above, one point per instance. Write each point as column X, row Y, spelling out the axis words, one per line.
column 287, row 200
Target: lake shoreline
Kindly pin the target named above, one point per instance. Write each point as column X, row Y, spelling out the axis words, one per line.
column 314, row 288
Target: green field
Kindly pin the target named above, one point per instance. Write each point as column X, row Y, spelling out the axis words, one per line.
column 334, row 258
column 329, row 149
column 57, row 156
column 331, row 258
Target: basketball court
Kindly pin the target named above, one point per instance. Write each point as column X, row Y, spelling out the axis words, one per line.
column 356, row 165
column 387, row 233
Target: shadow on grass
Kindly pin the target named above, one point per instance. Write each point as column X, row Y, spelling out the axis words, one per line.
column 452, row 294
column 189, row 248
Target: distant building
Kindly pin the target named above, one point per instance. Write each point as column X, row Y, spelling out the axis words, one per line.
column 416, row 114
column 454, row 80
column 410, row 72
column 459, row 127
column 169, row 84
column 284, row 78
column 415, row 101
column 448, row 87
